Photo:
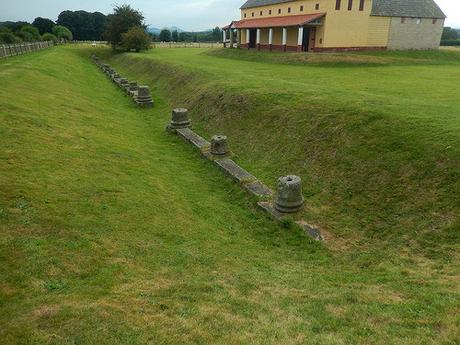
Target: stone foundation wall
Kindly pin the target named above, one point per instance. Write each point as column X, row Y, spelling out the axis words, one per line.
column 413, row 33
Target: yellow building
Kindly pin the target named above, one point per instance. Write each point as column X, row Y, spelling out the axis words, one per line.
column 332, row 25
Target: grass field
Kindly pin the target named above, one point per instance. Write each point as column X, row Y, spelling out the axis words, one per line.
column 114, row 232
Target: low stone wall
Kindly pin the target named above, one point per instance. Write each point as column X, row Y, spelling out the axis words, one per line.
column 279, row 205
column 139, row 93
column 8, row 50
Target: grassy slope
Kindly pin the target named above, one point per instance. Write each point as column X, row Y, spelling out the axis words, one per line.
column 374, row 136
column 112, row 232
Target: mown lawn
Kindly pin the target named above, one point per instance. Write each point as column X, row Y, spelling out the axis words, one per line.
column 114, row 232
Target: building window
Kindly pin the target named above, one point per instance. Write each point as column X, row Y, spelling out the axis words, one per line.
column 245, row 15
column 261, row 13
column 435, row 20
column 403, row 20
column 279, row 11
column 361, row 5
column 289, row 10
column 253, row 14
column 270, row 12
column 419, row 20
column 301, row 8
column 320, row 41
column 338, row 4
column 350, row 5
column 317, row 7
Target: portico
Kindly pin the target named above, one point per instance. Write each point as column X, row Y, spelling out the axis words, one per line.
column 287, row 33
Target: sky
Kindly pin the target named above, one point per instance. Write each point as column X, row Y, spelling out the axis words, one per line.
column 190, row 15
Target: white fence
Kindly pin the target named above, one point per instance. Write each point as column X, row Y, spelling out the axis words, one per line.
column 7, row 50
column 91, row 43
column 186, row 45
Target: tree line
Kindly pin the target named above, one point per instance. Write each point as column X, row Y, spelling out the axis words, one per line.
column 166, row 35
column 40, row 30
column 124, row 28
column 450, row 37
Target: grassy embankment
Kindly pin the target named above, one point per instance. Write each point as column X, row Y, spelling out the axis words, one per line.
column 113, row 232
column 375, row 136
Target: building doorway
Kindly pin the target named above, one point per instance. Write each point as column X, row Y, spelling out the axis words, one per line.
column 308, row 41
column 305, row 39
column 252, row 38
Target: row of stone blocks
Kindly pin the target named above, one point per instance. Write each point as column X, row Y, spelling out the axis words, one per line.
column 288, row 198
column 139, row 93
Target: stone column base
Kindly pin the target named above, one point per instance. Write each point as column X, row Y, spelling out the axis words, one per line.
column 270, row 46
column 299, row 49
column 258, row 46
column 284, row 47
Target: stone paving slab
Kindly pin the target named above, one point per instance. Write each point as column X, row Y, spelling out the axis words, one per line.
column 190, row 136
column 267, row 206
column 258, row 189
column 234, row 170
column 311, row 231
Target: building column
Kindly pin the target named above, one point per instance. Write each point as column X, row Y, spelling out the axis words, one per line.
column 224, row 38
column 300, row 39
column 270, row 38
column 258, row 39
column 248, row 36
column 238, row 38
column 231, row 37
column 284, row 43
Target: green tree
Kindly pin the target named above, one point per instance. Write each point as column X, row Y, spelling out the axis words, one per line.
column 136, row 39
column 6, row 36
column 122, row 19
column 49, row 37
column 216, row 34
column 83, row 25
column 43, row 25
column 450, row 34
column 99, row 24
column 175, row 36
column 29, row 33
column 165, row 36
column 14, row 26
column 62, row 33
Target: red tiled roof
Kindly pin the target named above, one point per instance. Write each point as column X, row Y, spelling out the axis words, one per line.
column 273, row 22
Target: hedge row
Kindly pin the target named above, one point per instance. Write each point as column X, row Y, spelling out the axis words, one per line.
column 450, row 43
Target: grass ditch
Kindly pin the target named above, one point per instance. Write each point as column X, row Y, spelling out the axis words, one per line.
column 370, row 174
column 114, row 232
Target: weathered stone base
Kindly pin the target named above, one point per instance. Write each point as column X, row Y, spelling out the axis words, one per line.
column 234, row 170
column 258, row 189
column 308, row 229
column 190, row 136
column 246, row 180
column 268, row 207
column 144, row 103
